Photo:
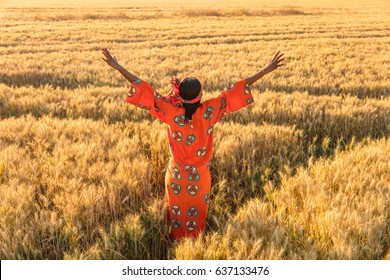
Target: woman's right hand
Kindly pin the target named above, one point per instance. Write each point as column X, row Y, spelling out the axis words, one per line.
column 274, row 63
column 271, row 66
column 110, row 59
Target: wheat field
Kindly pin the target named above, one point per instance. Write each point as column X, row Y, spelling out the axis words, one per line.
column 303, row 173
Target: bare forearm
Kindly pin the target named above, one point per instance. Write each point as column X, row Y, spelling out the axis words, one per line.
column 252, row 79
column 129, row 76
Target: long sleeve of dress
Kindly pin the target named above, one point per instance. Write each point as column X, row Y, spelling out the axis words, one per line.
column 143, row 95
column 235, row 97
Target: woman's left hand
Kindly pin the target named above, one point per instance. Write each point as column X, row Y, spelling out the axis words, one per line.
column 110, row 59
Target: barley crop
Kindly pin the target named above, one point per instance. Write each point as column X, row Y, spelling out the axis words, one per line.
column 303, row 173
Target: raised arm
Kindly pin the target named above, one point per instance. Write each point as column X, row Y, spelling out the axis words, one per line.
column 272, row 65
column 111, row 61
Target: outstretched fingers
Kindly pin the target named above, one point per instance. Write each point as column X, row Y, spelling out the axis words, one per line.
column 106, row 52
column 279, row 57
column 275, row 56
column 278, row 60
column 108, row 57
column 278, row 63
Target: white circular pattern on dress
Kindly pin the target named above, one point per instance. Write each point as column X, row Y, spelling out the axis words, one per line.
column 176, row 173
column 210, row 130
column 247, row 89
column 177, row 135
column 157, row 95
column 176, row 210
column 191, row 225
column 201, row 152
column 180, row 120
column 230, row 86
column 208, row 113
column 175, row 223
column 175, row 188
column 192, row 212
column 132, row 91
column 223, row 103
column 193, row 189
column 193, row 176
column 142, row 106
column 190, row 168
column 249, row 100
column 190, row 139
column 206, row 198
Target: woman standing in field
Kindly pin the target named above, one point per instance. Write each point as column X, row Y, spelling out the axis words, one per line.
column 190, row 126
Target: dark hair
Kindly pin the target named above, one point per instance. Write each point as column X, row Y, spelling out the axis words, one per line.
column 189, row 89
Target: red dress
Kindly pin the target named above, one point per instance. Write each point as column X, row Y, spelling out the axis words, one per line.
column 187, row 180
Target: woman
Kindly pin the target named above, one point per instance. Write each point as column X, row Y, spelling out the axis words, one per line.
column 190, row 126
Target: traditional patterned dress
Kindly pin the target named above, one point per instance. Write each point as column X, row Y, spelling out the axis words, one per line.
column 187, row 180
